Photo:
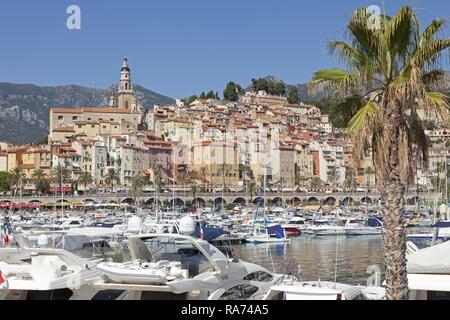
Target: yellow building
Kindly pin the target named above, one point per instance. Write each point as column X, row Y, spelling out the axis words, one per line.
column 124, row 114
column 220, row 160
column 36, row 159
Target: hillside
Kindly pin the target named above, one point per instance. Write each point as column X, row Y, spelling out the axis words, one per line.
column 24, row 108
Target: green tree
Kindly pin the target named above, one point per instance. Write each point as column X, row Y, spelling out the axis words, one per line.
column 210, row 95
column 392, row 71
column 137, row 185
column 315, row 184
column 40, row 181
column 232, row 91
column 112, row 178
column 204, row 173
column 192, row 99
column 203, row 95
column 332, row 176
column 85, row 178
column 4, row 181
column 293, row 97
column 16, row 179
column 61, row 175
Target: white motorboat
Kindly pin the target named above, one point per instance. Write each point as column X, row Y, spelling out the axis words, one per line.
column 353, row 228
column 163, row 266
column 271, row 234
column 294, row 226
column 318, row 290
column 327, row 230
column 429, row 272
column 139, row 272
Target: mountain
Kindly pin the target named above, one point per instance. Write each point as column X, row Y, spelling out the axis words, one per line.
column 24, row 108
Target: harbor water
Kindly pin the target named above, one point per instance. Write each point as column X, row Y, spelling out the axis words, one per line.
column 352, row 259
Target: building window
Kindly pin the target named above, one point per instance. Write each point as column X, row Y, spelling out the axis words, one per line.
column 60, row 118
column 74, row 118
column 126, row 105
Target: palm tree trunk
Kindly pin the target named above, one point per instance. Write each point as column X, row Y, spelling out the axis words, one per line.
column 394, row 232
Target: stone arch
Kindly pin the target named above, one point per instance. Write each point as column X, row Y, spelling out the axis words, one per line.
column 367, row 200
column 178, row 202
column 347, row 200
column 330, row 201
column 258, row 200
column 199, row 202
column 295, row 201
column 313, row 200
column 218, row 202
column 278, row 201
column 128, row 200
column 240, row 201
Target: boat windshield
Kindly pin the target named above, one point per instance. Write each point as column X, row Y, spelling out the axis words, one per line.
column 172, row 249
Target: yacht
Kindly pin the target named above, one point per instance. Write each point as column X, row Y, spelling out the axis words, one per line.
column 323, row 227
column 429, row 272
column 160, row 266
column 272, row 234
column 355, row 228
column 290, row 289
column 294, row 226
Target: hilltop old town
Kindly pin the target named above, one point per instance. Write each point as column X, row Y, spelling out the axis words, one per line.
column 212, row 143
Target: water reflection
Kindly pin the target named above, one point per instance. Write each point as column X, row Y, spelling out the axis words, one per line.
column 317, row 257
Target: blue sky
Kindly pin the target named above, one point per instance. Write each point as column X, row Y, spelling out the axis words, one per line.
column 177, row 47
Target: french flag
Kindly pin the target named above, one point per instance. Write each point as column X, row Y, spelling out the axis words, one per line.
column 202, row 235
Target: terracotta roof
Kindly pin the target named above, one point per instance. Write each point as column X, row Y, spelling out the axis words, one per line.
column 67, row 110
column 67, row 155
column 90, row 110
column 64, row 130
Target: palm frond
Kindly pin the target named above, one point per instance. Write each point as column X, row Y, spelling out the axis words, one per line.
column 363, row 120
column 401, row 31
column 333, row 81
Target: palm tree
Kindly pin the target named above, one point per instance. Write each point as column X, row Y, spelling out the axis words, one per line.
column 350, row 182
column 204, row 173
column 393, row 70
column 40, row 180
column 225, row 171
column 183, row 178
column 85, row 179
column 137, row 185
column 315, row 183
column 333, row 175
column 61, row 175
column 252, row 190
column 112, row 177
column 16, row 178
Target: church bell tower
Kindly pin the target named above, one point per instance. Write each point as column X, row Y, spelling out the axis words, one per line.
column 126, row 92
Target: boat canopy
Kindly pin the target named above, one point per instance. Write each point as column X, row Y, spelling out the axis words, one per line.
column 432, row 260
column 442, row 224
column 277, row 230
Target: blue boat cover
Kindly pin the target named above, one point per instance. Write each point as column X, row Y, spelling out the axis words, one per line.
column 209, row 233
column 442, row 224
column 374, row 222
column 277, row 230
